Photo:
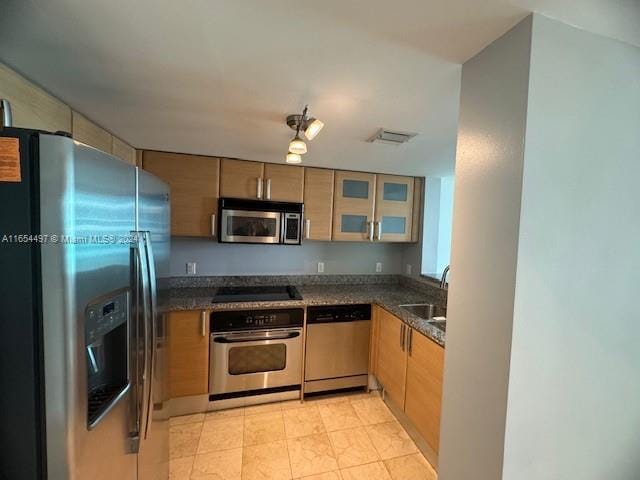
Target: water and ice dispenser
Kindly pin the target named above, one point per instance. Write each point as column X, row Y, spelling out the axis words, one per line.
column 106, row 341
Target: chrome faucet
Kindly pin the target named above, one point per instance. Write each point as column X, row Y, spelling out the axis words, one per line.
column 443, row 282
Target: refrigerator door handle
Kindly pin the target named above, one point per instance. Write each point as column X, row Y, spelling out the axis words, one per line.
column 141, row 280
column 153, row 295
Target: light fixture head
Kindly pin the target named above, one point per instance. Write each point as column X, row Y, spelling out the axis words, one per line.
column 312, row 128
column 293, row 158
column 308, row 125
column 297, row 145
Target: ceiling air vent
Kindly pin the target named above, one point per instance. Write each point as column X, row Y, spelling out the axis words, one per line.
column 391, row 137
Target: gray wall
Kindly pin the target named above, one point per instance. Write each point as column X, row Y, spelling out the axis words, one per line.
column 542, row 361
column 574, row 389
column 339, row 258
column 483, row 260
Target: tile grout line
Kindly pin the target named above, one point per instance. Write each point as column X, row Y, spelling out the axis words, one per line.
column 286, row 444
column 350, row 401
column 242, row 445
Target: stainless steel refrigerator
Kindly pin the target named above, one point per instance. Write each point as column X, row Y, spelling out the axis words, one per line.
column 84, row 238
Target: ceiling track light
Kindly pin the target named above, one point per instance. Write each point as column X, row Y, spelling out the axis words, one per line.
column 309, row 126
column 297, row 145
column 293, row 158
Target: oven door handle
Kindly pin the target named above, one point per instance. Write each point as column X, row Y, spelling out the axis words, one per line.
column 253, row 337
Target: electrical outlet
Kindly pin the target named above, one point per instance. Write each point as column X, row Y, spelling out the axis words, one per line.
column 408, row 269
column 320, row 267
column 378, row 267
column 191, row 268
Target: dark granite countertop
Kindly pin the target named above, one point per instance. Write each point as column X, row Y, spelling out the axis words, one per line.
column 388, row 296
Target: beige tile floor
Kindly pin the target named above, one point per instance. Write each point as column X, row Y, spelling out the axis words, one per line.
column 347, row 437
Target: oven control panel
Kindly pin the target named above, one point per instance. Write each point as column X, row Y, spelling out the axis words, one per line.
column 238, row 320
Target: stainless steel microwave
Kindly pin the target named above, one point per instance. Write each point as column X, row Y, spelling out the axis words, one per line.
column 258, row 221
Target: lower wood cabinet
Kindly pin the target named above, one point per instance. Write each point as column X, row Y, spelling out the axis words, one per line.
column 423, row 389
column 188, row 353
column 410, row 367
column 391, row 363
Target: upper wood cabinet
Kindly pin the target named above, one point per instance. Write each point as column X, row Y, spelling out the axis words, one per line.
column 338, row 205
column 423, row 397
column 391, row 356
column 354, row 197
column 283, row 183
column 318, row 203
column 193, row 180
column 241, row 179
column 85, row 131
column 123, row 151
column 31, row 106
column 261, row 181
column 394, row 208
column 188, row 353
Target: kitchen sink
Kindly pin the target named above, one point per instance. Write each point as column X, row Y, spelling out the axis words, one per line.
column 429, row 311
column 439, row 324
column 426, row 311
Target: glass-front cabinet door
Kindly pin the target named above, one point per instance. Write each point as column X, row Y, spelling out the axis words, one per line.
column 394, row 208
column 353, row 206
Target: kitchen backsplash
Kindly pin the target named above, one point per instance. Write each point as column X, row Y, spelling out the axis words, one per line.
column 214, row 259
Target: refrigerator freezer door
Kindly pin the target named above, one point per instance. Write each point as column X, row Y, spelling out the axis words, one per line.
column 153, row 216
column 87, row 209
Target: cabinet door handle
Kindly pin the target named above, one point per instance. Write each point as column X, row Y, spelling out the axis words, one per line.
column 307, row 229
column 203, row 323
column 379, row 227
column 259, row 192
column 402, row 337
column 410, row 340
column 268, row 189
column 213, row 225
column 371, row 229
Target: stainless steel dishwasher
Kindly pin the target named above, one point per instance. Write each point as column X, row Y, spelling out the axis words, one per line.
column 337, row 347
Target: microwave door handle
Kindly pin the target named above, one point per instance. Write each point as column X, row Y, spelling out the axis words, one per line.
column 282, row 228
column 153, row 296
column 141, row 290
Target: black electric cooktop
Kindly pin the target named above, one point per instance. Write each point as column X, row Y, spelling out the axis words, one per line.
column 256, row 294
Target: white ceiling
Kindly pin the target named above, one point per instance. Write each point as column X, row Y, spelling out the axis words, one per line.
column 219, row 77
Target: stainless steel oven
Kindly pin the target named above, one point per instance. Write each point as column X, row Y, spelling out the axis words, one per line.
column 253, row 221
column 255, row 352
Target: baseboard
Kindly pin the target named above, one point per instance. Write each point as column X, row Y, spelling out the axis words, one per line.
column 429, row 453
